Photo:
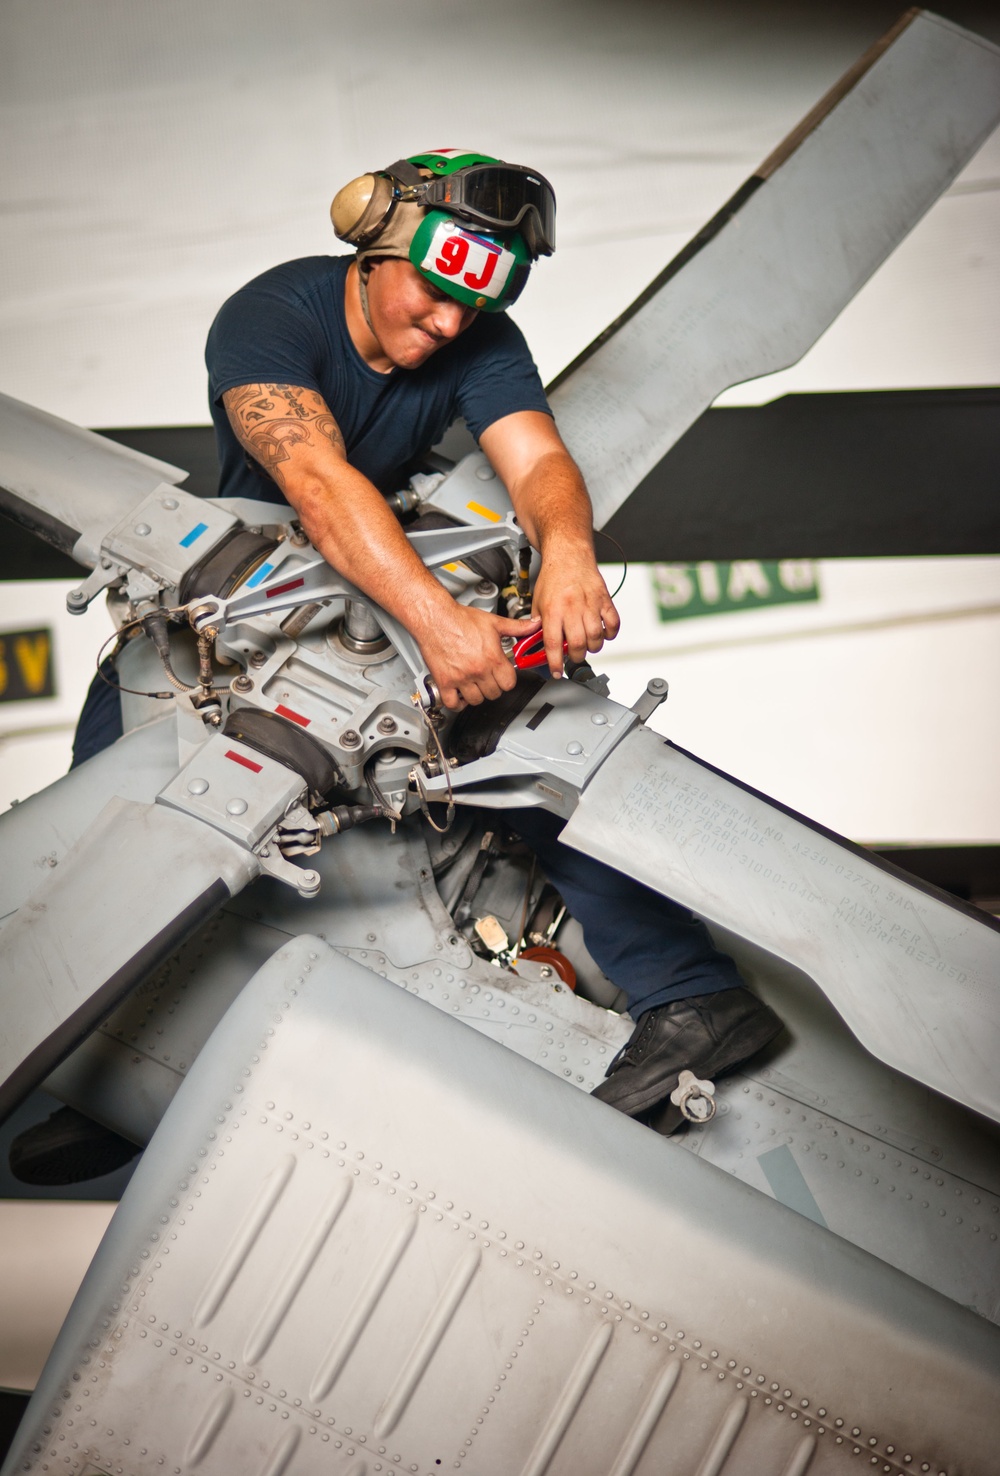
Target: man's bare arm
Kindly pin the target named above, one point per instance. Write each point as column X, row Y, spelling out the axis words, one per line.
column 292, row 433
column 554, row 510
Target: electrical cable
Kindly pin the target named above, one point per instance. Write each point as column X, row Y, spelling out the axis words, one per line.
column 601, row 534
column 446, row 771
column 132, row 691
column 390, row 812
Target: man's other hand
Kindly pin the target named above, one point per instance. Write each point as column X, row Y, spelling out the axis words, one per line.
column 572, row 600
column 461, row 646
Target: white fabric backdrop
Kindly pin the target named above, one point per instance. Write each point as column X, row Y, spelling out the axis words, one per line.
column 157, row 153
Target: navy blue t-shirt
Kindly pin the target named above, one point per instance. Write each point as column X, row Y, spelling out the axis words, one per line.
column 288, row 326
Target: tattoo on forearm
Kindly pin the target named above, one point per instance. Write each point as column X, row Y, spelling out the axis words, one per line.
column 270, row 419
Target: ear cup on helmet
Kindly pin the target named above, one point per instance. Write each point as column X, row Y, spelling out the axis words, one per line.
column 363, row 208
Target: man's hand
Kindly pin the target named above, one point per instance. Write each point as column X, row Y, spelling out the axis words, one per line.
column 554, row 510
column 461, row 646
column 572, row 600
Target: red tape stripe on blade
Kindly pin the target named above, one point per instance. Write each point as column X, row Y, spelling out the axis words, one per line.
column 238, row 758
column 293, row 717
column 280, row 589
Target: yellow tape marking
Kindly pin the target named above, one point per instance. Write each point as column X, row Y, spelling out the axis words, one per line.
column 484, row 512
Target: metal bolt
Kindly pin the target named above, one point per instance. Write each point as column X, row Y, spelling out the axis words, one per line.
column 486, row 587
column 257, row 658
column 655, row 685
column 387, row 724
column 242, row 684
column 350, row 738
column 298, row 538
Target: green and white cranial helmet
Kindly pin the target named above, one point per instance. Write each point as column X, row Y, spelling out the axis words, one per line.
column 469, row 223
column 480, row 264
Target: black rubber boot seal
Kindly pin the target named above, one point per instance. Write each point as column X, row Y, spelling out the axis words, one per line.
column 226, row 566
column 277, row 738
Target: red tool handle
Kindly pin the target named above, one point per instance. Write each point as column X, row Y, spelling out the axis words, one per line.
column 530, row 651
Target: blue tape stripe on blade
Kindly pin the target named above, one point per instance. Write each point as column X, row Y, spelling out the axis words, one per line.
column 788, row 1183
column 194, row 535
column 259, row 575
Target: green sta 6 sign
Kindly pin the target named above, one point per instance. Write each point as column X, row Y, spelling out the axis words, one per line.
column 710, row 588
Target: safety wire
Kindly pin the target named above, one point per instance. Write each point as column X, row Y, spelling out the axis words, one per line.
column 446, row 771
column 116, row 636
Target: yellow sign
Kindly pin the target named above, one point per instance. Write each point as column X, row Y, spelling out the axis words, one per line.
column 26, row 665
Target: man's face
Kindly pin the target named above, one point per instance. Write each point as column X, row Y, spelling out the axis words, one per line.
column 411, row 319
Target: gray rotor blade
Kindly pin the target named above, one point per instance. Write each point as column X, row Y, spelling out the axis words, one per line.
column 914, row 972
column 69, row 485
column 764, row 279
column 140, row 881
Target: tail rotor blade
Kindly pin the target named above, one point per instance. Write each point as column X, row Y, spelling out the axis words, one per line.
column 65, row 483
column 765, row 278
column 915, row 973
column 140, row 881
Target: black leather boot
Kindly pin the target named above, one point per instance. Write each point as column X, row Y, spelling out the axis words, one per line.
column 708, row 1035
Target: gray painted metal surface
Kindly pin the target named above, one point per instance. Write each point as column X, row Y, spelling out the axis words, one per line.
column 916, row 977
column 138, row 883
column 787, row 254
column 881, row 1159
column 72, row 479
column 364, row 1241
column 378, row 904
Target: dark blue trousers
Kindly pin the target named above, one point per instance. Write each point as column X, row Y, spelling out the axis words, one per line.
column 100, row 720
column 650, row 947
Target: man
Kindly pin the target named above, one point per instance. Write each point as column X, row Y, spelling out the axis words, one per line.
column 326, row 376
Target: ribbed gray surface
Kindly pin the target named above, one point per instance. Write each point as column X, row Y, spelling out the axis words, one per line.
column 365, row 1239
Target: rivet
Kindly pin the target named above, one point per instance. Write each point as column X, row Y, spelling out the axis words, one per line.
column 142, row 529
column 236, row 807
column 599, row 719
column 197, row 786
column 574, row 749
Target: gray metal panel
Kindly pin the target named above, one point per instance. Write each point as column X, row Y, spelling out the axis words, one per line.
column 364, row 1240
column 787, row 254
column 885, row 1162
column 916, row 977
column 138, row 883
column 379, row 905
column 36, row 834
column 65, row 482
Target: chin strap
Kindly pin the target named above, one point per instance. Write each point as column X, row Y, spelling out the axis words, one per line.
column 363, row 294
